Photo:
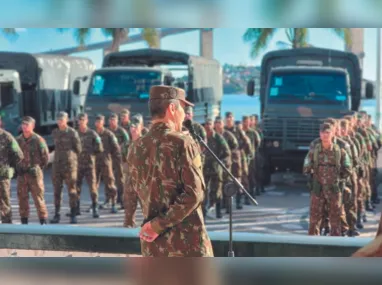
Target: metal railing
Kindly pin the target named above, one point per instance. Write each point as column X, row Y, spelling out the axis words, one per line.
column 126, row 241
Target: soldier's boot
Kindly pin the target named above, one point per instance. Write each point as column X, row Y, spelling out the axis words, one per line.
column 239, row 206
column 326, row 231
column 114, row 209
column 95, row 210
column 364, row 217
column 258, row 191
column 219, row 210
column 57, row 217
column 369, row 206
column 78, row 211
column 105, row 204
column 353, row 233
column 42, row 221
column 24, row 221
column 73, row 216
column 359, row 224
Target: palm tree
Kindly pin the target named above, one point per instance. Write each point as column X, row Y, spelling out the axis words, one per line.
column 9, row 33
column 118, row 35
column 298, row 37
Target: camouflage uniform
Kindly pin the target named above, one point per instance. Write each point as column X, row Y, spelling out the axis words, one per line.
column 171, row 191
column 327, row 167
column 67, row 147
column 201, row 132
column 213, row 172
column 377, row 143
column 30, row 176
column 125, row 126
column 104, row 166
column 91, row 146
column 122, row 138
column 10, row 157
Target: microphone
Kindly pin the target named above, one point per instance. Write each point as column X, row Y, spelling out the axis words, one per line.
column 190, row 128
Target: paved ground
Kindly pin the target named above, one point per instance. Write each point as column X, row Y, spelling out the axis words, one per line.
column 283, row 209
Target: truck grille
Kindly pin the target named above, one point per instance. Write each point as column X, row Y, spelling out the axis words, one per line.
column 297, row 130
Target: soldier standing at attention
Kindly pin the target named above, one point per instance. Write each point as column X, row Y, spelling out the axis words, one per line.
column 165, row 171
column 67, row 147
column 328, row 163
column 91, row 146
column 139, row 117
column 125, row 120
column 256, row 141
column 213, row 172
column 104, row 163
column 235, row 160
column 246, row 150
column 30, row 171
column 10, row 157
column 131, row 197
column 122, row 138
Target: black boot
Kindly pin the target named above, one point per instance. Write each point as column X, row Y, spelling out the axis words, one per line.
column 353, row 233
column 78, row 212
column 56, row 218
column 113, row 209
column 24, row 221
column 95, row 210
column 219, row 210
column 42, row 221
column 239, row 206
column 359, row 224
column 364, row 217
column 73, row 216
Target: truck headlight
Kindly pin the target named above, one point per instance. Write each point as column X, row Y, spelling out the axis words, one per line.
column 276, row 144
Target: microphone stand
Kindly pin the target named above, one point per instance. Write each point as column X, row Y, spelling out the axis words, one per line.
column 230, row 189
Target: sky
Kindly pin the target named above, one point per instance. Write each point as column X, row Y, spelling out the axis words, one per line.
column 229, row 46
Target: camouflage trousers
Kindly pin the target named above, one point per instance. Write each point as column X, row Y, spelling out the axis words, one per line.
column 104, row 170
column 5, row 201
column 367, row 184
column 252, row 177
column 61, row 173
column 119, row 178
column 130, row 203
column 361, row 194
column 373, row 179
column 325, row 218
column 35, row 185
column 214, row 184
column 89, row 174
column 317, row 205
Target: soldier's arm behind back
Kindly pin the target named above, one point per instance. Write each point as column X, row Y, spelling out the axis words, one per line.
column 345, row 164
column 77, row 146
column 193, row 191
column 44, row 152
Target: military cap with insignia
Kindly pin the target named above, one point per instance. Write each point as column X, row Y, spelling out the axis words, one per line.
column 125, row 112
column 113, row 116
column 28, row 120
column 62, row 116
column 100, row 117
column 163, row 92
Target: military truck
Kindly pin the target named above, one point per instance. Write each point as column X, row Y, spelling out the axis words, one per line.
column 40, row 86
column 125, row 79
column 299, row 88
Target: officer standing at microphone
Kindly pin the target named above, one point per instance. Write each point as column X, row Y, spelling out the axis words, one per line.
column 165, row 170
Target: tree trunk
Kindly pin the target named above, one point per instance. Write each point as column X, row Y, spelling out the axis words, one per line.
column 119, row 34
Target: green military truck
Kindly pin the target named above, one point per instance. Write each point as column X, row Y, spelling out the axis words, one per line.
column 125, row 79
column 40, row 86
column 299, row 88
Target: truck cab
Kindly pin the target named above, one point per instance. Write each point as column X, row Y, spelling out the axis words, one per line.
column 299, row 89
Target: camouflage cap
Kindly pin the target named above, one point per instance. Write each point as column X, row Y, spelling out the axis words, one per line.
column 125, row 112
column 62, row 116
column 228, row 114
column 163, row 92
column 82, row 116
column 238, row 122
column 113, row 116
column 209, row 121
column 28, row 120
column 218, row 119
column 100, row 117
column 245, row 118
column 189, row 110
column 135, row 122
column 326, row 127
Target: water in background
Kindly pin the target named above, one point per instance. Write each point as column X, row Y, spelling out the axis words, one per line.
column 242, row 105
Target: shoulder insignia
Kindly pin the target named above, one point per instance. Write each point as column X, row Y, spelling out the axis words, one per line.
column 98, row 139
column 15, row 146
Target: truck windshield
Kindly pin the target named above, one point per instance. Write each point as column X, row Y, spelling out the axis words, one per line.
column 313, row 88
column 125, row 84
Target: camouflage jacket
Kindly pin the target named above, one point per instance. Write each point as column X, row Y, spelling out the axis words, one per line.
column 233, row 146
column 110, row 144
column 255, row 139
column 121, row 135
column 127, row 128
column 220, row 148
column 165, row 170
column 246, row 148
column 35, row 150
column 328, row 167
column 67, row 146
column 10, row 155
column 91, row 146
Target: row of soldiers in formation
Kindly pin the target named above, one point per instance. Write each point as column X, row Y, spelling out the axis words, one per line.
column 80, row 154
column 341, row 167
column 100, row 154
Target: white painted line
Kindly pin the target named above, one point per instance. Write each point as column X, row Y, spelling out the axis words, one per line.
column 304, row 194
column 275, row 193
column 292, row 226
column 271, row 187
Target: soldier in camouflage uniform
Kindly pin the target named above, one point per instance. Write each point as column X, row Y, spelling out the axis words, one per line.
column 327, row 164
column 245, row 149
column 165, row 171
column 213, row 172
column 91, row 146
column 198, row 128
column 10, row 159
column 256, row 141
column 139, row 117
column 67, row 147
column 130, row 196
column 30, row 171
column 104, row 163
column 125, row 120
column 235, row 159
column 122, row 138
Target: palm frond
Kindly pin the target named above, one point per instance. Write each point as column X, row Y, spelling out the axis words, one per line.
column 259, row 38
column 151, row 36
column 343, row 33
column 82, row 35
column 10, row 33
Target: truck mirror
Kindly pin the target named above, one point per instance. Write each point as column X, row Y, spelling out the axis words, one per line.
column 76, row 87
column 369, row 90
column 85, row 78
column 251, row 88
